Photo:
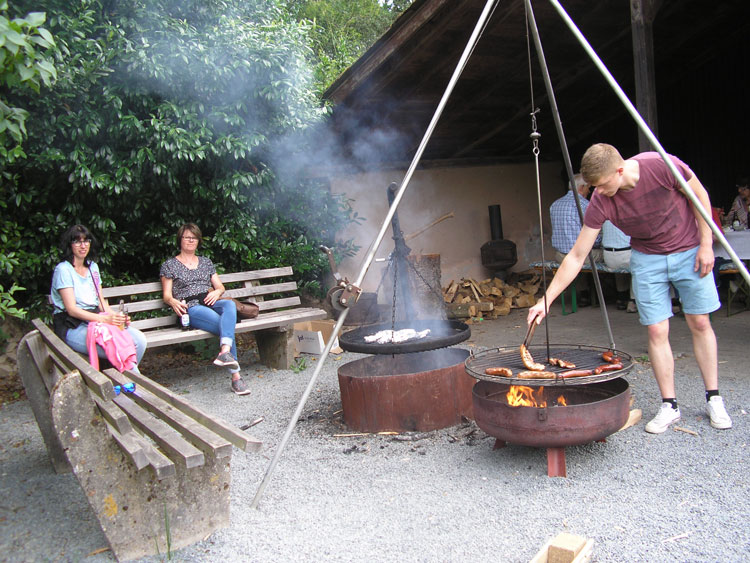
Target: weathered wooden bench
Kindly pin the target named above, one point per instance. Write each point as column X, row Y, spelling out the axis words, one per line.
column 154, row 468
column 273, row 327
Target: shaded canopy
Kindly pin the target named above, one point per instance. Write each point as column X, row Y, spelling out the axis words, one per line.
column 384, row 102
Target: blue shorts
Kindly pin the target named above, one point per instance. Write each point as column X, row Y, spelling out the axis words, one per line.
column 652, row 275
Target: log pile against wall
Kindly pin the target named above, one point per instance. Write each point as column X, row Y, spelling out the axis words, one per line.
column 490, row 298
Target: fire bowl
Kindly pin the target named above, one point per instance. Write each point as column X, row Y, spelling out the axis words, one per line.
column 406, row 392
column 593, row 412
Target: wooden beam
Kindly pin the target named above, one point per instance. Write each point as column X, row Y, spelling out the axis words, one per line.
column 642, row 14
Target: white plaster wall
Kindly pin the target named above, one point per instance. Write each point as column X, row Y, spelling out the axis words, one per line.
column 467, row 192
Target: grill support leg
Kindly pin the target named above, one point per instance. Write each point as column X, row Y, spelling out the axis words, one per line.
column 498, row 444
column 556, row 462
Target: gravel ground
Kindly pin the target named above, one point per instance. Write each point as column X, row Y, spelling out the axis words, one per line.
column 444, row 495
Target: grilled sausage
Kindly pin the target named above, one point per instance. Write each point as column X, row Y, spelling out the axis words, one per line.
column 505, row 372
column 536, row 375
column 528, row 360
column 610, row 357
column 560, row 362
column 577, row 373
column 607, row 367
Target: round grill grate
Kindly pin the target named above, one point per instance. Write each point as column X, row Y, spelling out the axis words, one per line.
column 584, row 357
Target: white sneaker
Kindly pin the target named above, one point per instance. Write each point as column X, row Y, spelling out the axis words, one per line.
column 718, row 414
column 666, row 416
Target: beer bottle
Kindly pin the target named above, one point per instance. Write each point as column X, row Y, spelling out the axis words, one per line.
column 185, row 319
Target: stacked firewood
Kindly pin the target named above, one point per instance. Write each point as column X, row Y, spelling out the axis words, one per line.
column 490, row 298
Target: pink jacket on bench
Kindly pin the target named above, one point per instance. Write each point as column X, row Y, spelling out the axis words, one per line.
column 117, row 344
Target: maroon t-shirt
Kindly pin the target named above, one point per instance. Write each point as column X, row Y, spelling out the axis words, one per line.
column 656, row 215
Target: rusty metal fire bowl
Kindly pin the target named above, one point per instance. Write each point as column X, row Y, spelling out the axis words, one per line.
column 593, row 412
column 406, row 392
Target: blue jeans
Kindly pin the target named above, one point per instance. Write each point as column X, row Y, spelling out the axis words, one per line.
column 218, row 319
column 76, row 339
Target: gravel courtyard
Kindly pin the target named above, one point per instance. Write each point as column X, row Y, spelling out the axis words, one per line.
column 445, row 495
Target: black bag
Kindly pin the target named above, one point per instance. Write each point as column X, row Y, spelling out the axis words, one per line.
column 62, row 322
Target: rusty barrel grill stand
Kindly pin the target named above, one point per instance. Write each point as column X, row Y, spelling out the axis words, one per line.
column 595, row 406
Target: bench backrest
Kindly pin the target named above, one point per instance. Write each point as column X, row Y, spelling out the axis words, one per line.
column 240, row 285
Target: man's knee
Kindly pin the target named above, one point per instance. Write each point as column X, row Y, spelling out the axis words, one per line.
column 658, row 332
column 698, row 323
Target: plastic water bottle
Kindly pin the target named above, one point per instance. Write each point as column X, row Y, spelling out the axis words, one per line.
column 185, row 319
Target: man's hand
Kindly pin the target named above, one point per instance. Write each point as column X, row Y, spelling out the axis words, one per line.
column 537, row 312
column 704, row 260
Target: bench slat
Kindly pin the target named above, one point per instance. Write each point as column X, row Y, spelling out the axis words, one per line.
column 96, row 381
column 241, row 294
column 155, row 287
column 174, row 335
column 162, row 466
column 164, row 435
column 113, row 415
column 49, row 371
column 253, row 275
column 130, row 446
column 200, row 436
column 239, row 438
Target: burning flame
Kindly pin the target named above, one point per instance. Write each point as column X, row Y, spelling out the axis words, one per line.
column 522, row 396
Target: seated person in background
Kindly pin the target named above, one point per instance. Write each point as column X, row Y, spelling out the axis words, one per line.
column 76, row 290
column 566, row 225
column 738, row 211
column 191, row 285
column 616, row 251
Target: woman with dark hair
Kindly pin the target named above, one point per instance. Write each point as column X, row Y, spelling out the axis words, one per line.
column 191, row 285
column 76, row 295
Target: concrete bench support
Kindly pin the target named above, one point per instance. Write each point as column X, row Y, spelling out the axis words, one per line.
column 140, row 514
column 155, row 469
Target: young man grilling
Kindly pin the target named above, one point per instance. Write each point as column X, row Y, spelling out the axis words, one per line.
column 670, row 243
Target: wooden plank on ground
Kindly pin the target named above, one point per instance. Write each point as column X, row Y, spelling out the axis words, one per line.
column 196, row 433
column 160, row 432
column 239, row 438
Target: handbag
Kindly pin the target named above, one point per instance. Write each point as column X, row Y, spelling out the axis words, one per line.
column 245, row 310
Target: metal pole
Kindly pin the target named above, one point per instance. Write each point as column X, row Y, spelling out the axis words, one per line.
column 566, row 157
column 643, row 126
column 376, row 244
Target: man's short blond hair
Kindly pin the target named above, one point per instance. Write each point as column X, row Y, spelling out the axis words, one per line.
column 598, row 161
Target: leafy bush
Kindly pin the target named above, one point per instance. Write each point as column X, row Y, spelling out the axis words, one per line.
column 163, row 113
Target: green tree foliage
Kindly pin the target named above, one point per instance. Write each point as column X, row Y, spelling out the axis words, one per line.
column 342, row 30
column 165, row 112
column 23, row 63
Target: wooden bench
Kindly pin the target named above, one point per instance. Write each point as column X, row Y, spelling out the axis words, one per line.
column 154, row 468
column 740, row 288
column 570, row 292
column 273, row 327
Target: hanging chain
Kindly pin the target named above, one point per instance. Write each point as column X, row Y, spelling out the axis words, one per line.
column 393, row 310
column 535, row 135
